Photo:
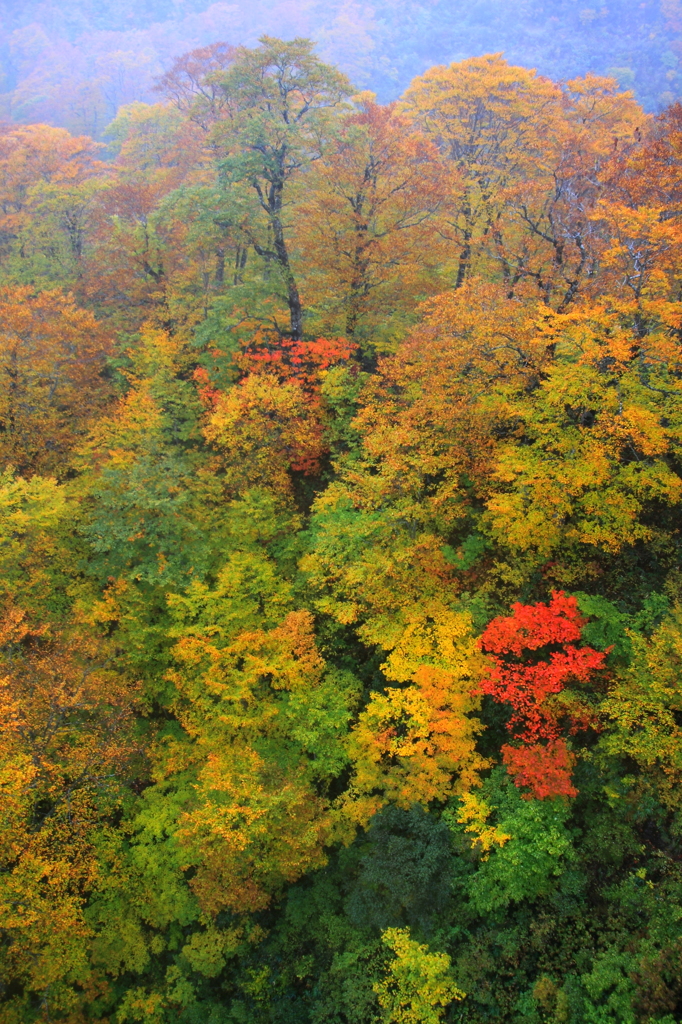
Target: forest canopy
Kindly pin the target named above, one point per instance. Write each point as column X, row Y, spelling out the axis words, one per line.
column 340, row 584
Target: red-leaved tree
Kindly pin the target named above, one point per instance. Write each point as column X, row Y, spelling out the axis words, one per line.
column 534, row 657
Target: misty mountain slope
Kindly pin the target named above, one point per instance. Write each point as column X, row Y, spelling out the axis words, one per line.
column 74, row 62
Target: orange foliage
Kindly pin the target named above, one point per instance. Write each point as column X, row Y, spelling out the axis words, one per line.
column 414, row 745
column 534, row 158
column 545, row 770
column 34, row 155
column 368, row 230
column 132, row 253
column 52, row 357
column 303, row 361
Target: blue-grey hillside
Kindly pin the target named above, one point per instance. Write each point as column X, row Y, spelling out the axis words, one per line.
column 75, row 62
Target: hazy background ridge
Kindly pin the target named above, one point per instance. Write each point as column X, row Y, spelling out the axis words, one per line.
column 74, row 62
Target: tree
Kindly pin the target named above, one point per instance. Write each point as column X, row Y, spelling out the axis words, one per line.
column 193, row 82
column 418, row 986
column 52, row 361
column 149, row 499
column 367, row 227
column 554, row 240
column 45, row 174
column 35, row 515
column 415, row 744
column 589, row 460
column 535, row 159
column 264, row 719
column 532, row 690
column 492, row 120
column 158, row 151
column 264, row 428
column 280, row 101
column 641, row 711
column 68, row 752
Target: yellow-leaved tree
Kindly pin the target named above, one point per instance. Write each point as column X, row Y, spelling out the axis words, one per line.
column 417, row 987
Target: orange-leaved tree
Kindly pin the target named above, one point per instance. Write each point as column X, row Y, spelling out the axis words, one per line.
column 52, row 362
column 534, row 158
column 367, row 229
column 158, row 151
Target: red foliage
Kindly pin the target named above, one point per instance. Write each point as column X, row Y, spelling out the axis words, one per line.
column 303, row 360
column 208, row 394
column 526, row 672
column 532, row 626
column 300, row 362
column 545, row 770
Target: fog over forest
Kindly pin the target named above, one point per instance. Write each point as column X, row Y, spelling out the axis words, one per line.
column 75, row 62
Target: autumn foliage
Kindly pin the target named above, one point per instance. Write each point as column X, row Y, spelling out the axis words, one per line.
column 340, row 594
column 52, row 359
column 535, row 658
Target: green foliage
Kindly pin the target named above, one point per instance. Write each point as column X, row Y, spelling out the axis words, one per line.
column 405, row 873
column 530, row 863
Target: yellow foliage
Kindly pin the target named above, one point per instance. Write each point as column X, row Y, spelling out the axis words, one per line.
column 254, row 708
column 263, row 428
column 418, row 743
column 642, row 710
column 474, row 813
column 418, row 985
